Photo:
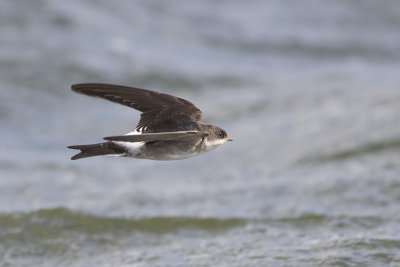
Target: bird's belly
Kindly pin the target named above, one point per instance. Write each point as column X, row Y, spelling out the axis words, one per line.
column 171, row 156
column 162, row 150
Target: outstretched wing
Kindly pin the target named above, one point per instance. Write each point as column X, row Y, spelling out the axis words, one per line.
column 165, row 136
column 160, row 112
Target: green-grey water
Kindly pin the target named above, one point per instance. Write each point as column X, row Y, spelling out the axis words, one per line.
column 309, row 91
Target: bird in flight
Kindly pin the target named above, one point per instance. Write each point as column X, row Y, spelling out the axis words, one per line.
column 169, row 127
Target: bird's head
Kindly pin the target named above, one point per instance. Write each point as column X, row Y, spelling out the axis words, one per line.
column 216, row 137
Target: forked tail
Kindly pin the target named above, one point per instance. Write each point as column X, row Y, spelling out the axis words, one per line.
column 107, row 148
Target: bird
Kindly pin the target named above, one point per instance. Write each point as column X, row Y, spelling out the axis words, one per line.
column 169, row 127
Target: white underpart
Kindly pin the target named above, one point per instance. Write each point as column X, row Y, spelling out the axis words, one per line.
column 132, row 147
column 210, row 145
column 135, row 149
column 178, row 156
column 134, row 133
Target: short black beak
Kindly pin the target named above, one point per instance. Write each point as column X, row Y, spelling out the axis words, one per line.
column 230, row 139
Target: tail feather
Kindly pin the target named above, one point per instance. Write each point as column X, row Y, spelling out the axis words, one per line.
column 107, row 148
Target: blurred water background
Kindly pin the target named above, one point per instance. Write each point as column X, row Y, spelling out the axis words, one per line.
column 309, row 90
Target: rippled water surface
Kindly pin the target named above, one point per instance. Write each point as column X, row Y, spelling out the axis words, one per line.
column 309, row 91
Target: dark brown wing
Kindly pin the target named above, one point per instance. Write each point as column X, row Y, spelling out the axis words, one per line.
column 160, row 112
column 164, row 136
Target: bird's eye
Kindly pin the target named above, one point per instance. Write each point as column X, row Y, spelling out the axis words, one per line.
column 221, row 134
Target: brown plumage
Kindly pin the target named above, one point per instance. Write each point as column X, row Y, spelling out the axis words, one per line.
column 160, row 112
column 170, row 126
column 101, row 149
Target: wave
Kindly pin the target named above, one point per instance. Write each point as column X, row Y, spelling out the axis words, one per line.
column 49, row 237
column 61, row 219
column 365, row 149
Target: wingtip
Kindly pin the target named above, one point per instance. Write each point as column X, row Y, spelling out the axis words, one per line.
column 83, row 88
column 77, row 88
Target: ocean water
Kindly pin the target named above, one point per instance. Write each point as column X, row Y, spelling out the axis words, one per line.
column 309, row 90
